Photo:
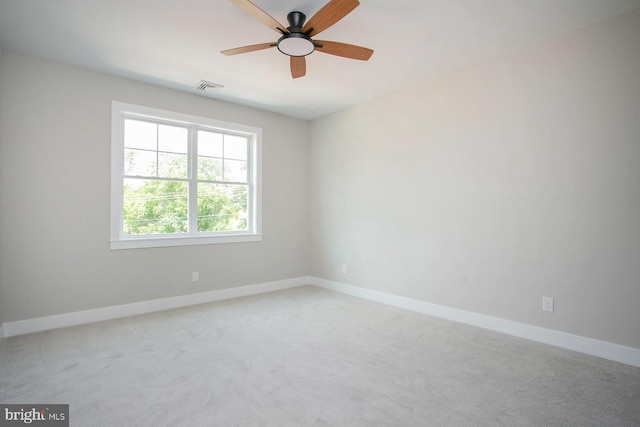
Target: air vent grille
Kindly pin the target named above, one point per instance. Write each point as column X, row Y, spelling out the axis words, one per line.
column 208, row 87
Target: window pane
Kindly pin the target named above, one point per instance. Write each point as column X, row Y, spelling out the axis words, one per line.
column 173, row 139
column 209, row 144
column 209, row 169
column 235, row 171
column 139, row 134
column 154, row 207
column 172, row 165
column 235, row 147
column 222, row 207
column 139, row 162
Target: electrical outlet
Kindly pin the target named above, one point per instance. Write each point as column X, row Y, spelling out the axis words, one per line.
column 344, row 268
column 195, row 276
column 547, row 304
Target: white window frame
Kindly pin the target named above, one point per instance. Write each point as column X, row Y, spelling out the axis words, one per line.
column 120, row 111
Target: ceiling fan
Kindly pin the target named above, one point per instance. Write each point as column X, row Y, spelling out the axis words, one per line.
column 296, row 40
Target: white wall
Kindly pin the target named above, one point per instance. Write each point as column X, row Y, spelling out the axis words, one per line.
column 492, row 186
column 54, row 211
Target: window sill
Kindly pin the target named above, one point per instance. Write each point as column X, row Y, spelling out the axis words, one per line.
column 158, row 242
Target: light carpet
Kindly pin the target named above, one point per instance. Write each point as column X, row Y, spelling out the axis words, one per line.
column 309, row 356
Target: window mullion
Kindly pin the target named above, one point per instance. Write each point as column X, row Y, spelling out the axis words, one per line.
column 251, row 182
column 192, row 174
column 157, row 151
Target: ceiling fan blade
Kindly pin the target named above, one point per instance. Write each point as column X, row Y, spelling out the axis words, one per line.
column 298, row 66
column 330, row 13
column 343, row 49
column 260, row 15
column 245, row 49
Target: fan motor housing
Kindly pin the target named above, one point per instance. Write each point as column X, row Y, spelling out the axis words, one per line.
column 295, row 42
column 296, row 21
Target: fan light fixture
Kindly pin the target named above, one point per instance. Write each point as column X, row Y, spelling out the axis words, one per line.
column 296, row 44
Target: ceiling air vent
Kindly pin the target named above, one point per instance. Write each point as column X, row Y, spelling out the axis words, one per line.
column 205, row 87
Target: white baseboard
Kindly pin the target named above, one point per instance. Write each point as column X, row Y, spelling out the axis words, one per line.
column 603, row 349
column 20, row 327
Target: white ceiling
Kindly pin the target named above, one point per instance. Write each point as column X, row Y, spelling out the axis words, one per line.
column 176, row 43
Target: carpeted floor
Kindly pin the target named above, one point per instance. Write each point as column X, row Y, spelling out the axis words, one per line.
column 308, row 356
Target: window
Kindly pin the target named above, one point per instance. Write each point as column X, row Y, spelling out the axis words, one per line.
column 182, row 180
